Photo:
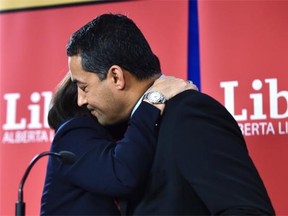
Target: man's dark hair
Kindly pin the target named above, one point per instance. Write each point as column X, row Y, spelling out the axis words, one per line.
column 113, row 39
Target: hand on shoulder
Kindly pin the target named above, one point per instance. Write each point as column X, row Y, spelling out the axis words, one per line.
column 166, row 87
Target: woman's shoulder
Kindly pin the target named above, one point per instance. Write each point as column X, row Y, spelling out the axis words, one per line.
column 79, row 122
column 82, row 127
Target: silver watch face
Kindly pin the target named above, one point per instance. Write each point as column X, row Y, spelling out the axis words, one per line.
column 155, row 97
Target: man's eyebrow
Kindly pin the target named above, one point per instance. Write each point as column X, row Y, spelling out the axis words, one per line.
column 75, row 81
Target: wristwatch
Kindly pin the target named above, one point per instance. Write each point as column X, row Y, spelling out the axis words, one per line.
column 155, row 97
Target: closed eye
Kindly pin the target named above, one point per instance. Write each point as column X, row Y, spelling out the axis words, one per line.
column 83, row 88
column 80, row 85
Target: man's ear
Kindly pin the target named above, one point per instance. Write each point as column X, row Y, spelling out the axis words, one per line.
column 116, row 77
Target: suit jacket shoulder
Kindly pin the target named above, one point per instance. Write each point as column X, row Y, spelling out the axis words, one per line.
column 201, row 164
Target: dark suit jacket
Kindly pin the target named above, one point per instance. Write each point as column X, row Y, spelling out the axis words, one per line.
column 201, row 165
column 103, row 170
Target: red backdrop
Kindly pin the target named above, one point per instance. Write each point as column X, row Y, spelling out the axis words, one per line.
column 243, row 52
column 243, row 63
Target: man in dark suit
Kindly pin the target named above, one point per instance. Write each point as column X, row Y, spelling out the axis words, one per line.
column 201, row 164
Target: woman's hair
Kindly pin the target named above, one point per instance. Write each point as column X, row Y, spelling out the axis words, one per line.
column 64, row 104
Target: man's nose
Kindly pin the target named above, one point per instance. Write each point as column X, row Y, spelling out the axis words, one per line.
column 81, row 98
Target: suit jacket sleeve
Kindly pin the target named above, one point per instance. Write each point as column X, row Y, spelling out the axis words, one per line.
column 212, row 156
column 103, row 166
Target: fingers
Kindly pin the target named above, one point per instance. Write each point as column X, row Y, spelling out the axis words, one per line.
column 191, row 85
column 171, row 86
column 189, row 81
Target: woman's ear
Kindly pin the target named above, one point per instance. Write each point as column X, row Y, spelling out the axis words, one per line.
column 116, row 77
